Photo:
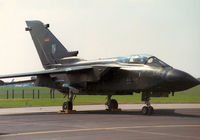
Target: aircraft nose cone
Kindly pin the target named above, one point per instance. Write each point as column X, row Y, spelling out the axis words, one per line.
column 179, row 80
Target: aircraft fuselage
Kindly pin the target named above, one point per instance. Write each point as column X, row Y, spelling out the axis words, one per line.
column 127, row 78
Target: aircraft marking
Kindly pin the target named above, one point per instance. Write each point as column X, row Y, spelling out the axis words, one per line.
column 46, row 39
column 53, row 48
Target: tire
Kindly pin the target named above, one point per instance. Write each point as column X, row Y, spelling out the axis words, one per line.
column 150, row 110
column 113, row 104
column 67, row 106
column 145, row 110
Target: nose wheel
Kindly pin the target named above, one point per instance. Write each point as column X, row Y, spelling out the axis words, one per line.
column 148, row 109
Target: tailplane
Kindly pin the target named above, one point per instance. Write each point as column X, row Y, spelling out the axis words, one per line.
column 49, row 48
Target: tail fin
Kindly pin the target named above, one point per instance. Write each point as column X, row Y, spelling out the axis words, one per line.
column 49, row 48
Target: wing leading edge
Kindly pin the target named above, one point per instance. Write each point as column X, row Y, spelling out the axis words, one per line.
column 99, row 71
column 47, row 72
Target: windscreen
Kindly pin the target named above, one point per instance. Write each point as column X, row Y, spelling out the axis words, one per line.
column 136, row 59
column 156, row 62
column 142, row 59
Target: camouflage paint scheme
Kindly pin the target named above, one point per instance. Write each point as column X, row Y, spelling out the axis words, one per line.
column 71, row 75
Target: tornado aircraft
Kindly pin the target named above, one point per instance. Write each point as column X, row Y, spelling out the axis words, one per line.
column 137, row 73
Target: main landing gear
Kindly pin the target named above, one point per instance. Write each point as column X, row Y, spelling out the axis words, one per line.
column 68, row 105
column 112, row 104
column 148, row 109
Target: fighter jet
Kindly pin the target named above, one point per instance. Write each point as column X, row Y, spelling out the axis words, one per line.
column 138, row 73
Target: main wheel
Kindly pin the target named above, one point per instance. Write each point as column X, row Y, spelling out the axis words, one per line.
column 144, row 110
column 150, row 110
column 67, row 105
column 112, row 104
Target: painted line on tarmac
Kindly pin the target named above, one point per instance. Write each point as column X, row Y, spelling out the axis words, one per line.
column 158, row 133
column 96, row 129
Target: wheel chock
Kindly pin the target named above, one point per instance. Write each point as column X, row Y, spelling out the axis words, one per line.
column 67, row 111
column 114, row 110
column 61, row 111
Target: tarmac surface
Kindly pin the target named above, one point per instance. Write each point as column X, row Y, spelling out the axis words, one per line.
column 92, row 122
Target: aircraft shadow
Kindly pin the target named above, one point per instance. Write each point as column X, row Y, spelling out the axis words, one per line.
column 173, row 113
column 158, row 112
column 3, row 134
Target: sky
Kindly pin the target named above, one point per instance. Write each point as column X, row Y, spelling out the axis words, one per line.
column 167, row 29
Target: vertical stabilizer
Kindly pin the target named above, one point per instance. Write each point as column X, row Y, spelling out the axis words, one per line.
column 49, row 48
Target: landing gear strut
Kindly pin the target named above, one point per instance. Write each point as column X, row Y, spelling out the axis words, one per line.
column 112, row 104
column 148, row 109
column 68, row 105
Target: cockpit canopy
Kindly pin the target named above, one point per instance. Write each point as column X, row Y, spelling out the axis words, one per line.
column 142, row 59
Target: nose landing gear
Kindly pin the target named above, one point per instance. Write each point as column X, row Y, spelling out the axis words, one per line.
column 148, row 109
